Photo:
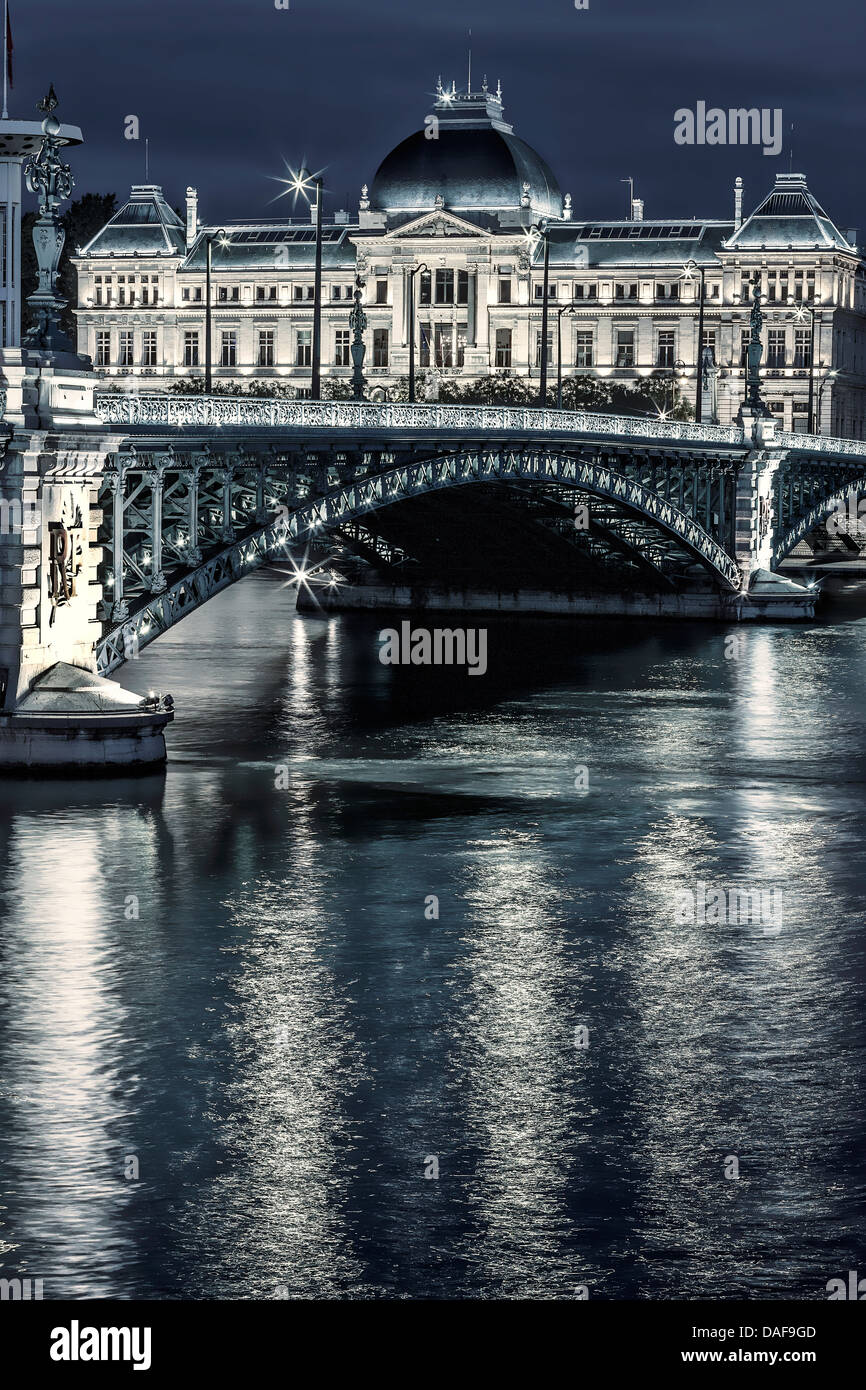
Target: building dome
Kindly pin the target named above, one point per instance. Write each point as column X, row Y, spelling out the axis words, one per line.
column 470, row 157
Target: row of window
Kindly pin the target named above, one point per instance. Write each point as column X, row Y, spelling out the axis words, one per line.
column 231, row 294
column 441, row 345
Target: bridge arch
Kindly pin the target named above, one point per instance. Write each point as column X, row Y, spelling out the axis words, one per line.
column 836, row 501
column 353, row 499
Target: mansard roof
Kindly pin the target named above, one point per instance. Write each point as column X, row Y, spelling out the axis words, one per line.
column 144, row 226
column 631, row 245
column 272, row 246
column 789, row 217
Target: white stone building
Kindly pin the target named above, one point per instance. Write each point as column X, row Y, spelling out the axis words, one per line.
column 460, row 196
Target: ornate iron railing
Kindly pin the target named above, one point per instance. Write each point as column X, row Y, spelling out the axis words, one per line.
column 269, row 413
column 822, row 444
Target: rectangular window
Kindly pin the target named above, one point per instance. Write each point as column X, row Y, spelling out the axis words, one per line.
column 125, row 355
column 304, row 348
column 585, row 291
column 625, row 290
column 776, row 347
column 503, row 347
column 425, row 339
column 665, row 350
column 504, row 291
column 668, row 291
column 802, row 347
column 266, row 347
column 229, row 353
column 342, row 356
column 425, row 295
column 463, row 287
column 381, row 291
column 539, row 291
column 745, row 339
column 98, row 294
column 103, row 349
column 335, row 291
column 444, row 287
column 624, row 347
column 190, row 349
column 444, row 356
column 145, row 295
column 461, row 344
column 583, row 353
column 538, row 347
column 148, row 348
column 380, row 347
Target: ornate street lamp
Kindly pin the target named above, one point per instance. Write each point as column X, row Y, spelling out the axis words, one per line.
column 412, row 273
column 801, row 311
column 567, row 309
column 358, row 323
column 221, row 236
column 829, row 376
column 540, row 232
column 690, row 270
column 753, row 400
column 46, row 174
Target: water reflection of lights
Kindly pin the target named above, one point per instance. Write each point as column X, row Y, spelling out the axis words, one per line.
column 517, row 1040
column 63, row 1018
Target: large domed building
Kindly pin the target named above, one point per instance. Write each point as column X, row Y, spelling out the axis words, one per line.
column 468, row 157
column 449, row 235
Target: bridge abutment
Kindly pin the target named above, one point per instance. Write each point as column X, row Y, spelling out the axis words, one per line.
column 56, row 712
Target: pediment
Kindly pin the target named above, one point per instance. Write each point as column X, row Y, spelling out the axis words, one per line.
column 437, row 223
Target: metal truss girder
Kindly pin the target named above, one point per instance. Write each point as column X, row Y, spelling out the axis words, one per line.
column 351, row 501
column 784, row 544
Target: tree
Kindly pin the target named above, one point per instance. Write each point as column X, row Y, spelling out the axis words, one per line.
column 84, row 217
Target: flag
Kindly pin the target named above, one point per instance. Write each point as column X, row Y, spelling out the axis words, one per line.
column 8, row 47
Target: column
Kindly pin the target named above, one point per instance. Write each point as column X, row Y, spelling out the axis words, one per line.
column 155, row 479
column 194, row 555
column 119, row 607
column 227, row 534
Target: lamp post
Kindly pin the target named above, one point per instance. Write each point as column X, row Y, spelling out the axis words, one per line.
column 829, row 376
column 303, row 182
column 536, row 233
column 412, row 273
column 223, row 240
column 799, row 316
column 569, row 310
column 690, row 270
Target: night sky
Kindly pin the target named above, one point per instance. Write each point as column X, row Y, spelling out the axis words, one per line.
column 226, row 89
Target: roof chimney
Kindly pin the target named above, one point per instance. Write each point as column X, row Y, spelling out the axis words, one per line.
column 637, row 209
column 738, row 202
column 191, row 216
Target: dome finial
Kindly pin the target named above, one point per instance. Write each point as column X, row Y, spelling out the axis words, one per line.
column 439, row 85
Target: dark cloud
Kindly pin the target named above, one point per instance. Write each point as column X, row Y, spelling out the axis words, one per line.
column 226, row 88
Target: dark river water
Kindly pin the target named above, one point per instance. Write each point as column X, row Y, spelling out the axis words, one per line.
column 241, row 1057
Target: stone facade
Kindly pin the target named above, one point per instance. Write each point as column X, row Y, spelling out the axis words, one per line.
column 461, row 197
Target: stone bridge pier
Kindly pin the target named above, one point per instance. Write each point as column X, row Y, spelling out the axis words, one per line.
column 56, row 712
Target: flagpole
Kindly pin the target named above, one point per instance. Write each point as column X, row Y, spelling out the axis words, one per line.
column 5, row 56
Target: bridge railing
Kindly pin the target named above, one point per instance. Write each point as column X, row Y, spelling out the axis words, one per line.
column 164, row 410
column 822, row 444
